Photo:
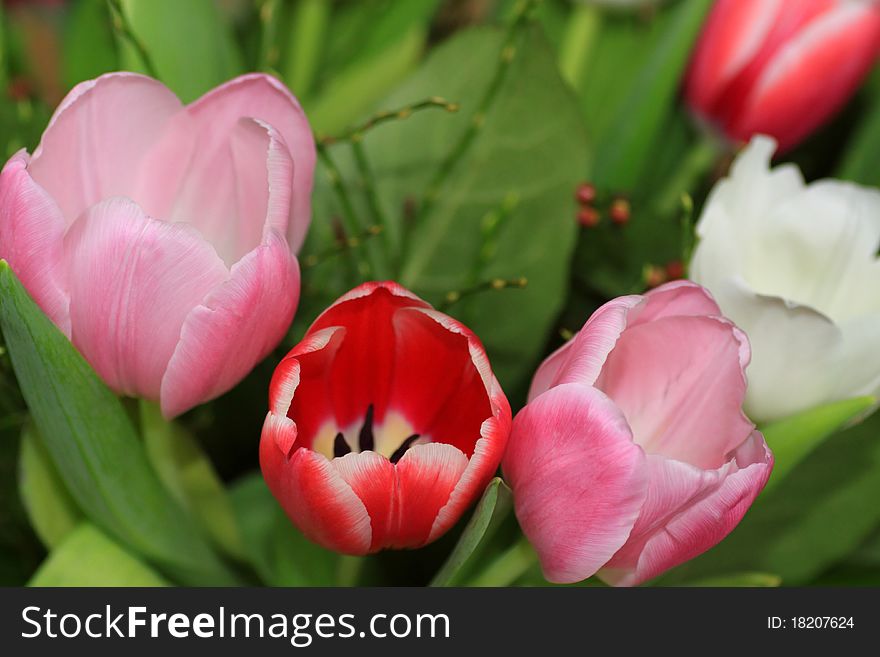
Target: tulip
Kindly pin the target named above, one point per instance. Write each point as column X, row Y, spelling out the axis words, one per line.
column 160, row 238
column 781, row 67
column 795, row 266
column 385, row 423
column 632, row 454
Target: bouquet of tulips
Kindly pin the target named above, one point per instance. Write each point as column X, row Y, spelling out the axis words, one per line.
column 460, row 293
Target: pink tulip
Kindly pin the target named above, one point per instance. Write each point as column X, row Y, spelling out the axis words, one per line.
column 781, row 67
column 633, row 454
column 161, row 238
column 385, row 423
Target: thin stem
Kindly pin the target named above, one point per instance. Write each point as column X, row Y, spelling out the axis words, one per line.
column 356, row 133
column 269, row 50
column 454, row 296
column 315, row 259
column 578, row 42
column 697, row 163
column 509, row 566
column 508, row 52
column 375, row 204
column 123, row 27
column 349, row 217
column 349, row 570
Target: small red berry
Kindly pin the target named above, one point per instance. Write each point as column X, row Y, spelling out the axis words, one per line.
column 654, row 276
column 588, row 217
column 674, row 270
column 585, row 194
column 620, row 211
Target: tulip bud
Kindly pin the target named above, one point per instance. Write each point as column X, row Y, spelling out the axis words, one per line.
column 779, row 67
column 632, row 454
column 161, row 238
column 385, row 423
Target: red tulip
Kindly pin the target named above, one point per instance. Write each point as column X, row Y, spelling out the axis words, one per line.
column 385, row 423
column 780, row 67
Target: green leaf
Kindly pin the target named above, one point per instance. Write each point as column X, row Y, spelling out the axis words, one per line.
column 279, row 552
column 50, row 508
column 189, row 43
column 861, row 160
column 490, row 512
column 817, row 515
column 94, row 446
column 518, row 164
column 88, row 557
column 188, row 475
column 748, row 580
column 793, row 438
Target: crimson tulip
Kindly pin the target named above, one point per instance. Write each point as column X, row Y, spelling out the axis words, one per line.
column 781, row 67
column 385, row 423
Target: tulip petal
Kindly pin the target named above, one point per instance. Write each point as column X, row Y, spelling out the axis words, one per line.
column 427, row 475
column 316, row 498
column 579, row 479
column 232, row 328
column 811, row 75
column 581, row 359
column 679, row 381
column 95, row 142
column 373, row 479
column 132, row 281
column 31, row 239
column 675, row 299
column 688, row 510
column 216, row 115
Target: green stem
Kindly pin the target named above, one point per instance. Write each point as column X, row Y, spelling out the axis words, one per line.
column 356, row 133
column 509, row 566
column 269, row 50
column 349, row 217
column 454, row 296
column 315, row 259
column 124, row 29
column 308, row 28
column 508, row 53
column 698, row 161
column 349, row 569
column 375, row 204
column 578, row 42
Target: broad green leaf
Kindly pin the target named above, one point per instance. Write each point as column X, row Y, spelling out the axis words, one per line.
column 88, row 45
column 793, row 438
column 491, row 510
column 189, row 43
column 523, row 162
column 814, row 517
column 94, row 446
column 861, row 160
column 50, row 508
column 88, row 557
column 188, row 474
column 749, row 580
column 279, row 552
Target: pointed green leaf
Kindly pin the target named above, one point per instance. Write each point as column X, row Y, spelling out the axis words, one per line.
column 488, row 515
column 94, row 446
column 793, row 438
column 50, row 508
column 88, row 557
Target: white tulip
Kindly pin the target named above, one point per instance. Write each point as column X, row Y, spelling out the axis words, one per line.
column 796, row 267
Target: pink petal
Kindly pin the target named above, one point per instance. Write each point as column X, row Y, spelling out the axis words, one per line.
column 679, row 381
column 98, row 137
column 427, row 475
column 216, row 115
column 689, row 510
column 678, row 298
column 316, row 498
column 578, row 479
column 31, row 239
column 812, row 75
column 581, row 359
column 132, row 282
column 234, row 327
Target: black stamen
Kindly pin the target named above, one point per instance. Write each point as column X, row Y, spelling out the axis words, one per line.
column 365, row 439
column 340, row 447
column 405, row 445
